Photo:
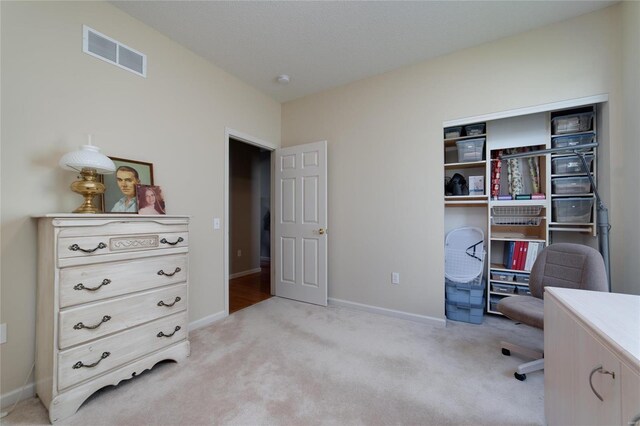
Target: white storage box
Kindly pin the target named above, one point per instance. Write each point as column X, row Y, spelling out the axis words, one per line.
column 476, row 185
column 570, row 164
column 470, row 150
column 571, row 185
column 572, row 123
column 572, row 210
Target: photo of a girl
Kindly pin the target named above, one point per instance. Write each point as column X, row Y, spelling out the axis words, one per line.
column 150, row 200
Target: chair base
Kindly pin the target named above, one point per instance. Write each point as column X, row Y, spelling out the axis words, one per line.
column 527, row 367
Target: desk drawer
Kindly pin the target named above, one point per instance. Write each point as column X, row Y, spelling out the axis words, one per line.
column 87, row 322
column 90, row 283
column 89, row 360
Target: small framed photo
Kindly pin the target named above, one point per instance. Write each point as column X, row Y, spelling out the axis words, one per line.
column 150, row 199
column 120, row 192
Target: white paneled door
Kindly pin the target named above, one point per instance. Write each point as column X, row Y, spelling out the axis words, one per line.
column 301, row 222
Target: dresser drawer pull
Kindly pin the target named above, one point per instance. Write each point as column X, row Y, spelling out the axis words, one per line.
column 169, row 274
column 179, row 240
column 76, row 247
column 81, row 286
column 161, row 303
column 80, row 326
column 80, row 364
column 161, row 334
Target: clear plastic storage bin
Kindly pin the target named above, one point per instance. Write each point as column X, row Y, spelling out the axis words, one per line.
column 521, row 278
column 572, row 210
column 523, row 291
column 452, row 132
column 503, row 288
column 470, row 150
column 464, row 292
column 572, row 123
column 501, row 276
column 474, row 129
column 572, row 140
column 570, row 164
column 493, row 302
column 465, row 312
column 571, row 185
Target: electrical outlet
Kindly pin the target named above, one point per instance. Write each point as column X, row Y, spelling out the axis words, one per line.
column 216, row 223
column 3, row 333
column 239, row 253
column 395, row 278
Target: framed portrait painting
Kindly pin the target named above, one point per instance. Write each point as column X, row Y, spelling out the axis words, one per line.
column 120, row 192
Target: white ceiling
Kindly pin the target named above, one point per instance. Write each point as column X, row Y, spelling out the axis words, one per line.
column 324, row 44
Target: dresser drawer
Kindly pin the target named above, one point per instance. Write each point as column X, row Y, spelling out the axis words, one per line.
column 90, row 283
column 99, row 245
column 111, row 224
column 87, row 322
column 89, row 360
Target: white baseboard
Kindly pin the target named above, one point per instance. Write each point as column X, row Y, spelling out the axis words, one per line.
column 208, row 320
column 8, row 399
column 438, row 322
column 243, row 273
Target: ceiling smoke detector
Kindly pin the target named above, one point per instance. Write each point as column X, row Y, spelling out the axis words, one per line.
column 283, row 79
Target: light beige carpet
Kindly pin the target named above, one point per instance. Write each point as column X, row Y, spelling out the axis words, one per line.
column 287, row 363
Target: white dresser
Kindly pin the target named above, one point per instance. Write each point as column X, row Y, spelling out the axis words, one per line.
column 112, row 302
column 591, row 357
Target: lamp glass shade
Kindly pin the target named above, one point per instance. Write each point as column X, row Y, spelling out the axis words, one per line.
column 89, row 157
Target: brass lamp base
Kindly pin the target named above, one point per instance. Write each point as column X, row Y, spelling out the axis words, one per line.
column 88, row 187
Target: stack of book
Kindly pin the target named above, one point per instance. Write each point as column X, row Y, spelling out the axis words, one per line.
column 520, row 255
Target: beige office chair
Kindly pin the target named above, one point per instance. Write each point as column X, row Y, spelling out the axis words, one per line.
column 558, row 265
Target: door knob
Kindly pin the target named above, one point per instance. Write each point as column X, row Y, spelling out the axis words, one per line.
column 322, row 231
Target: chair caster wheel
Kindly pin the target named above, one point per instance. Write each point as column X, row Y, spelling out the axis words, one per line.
column 519, row 376
column 506, row 352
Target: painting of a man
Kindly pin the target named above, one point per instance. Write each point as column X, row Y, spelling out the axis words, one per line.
column 127, row 179
column 120, row 194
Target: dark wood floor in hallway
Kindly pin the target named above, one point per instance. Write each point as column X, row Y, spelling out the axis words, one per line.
column 250, row 289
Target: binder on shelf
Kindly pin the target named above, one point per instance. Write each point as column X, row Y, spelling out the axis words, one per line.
column 508, row 254
column 532, row 254
column 523, row 256
column 528, row 262
column 516, row 255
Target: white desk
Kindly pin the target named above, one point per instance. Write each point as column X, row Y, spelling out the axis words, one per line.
column 584, row 330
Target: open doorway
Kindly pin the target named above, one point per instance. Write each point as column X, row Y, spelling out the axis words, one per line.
column 249, row 221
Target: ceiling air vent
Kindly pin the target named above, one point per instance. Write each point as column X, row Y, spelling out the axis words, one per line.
column 112, row 51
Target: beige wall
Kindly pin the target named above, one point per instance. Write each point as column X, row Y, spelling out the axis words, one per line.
column 629, row 180
column 53, row 95
column 385, row 149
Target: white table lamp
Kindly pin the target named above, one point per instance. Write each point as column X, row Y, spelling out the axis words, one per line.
column 89, row 162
